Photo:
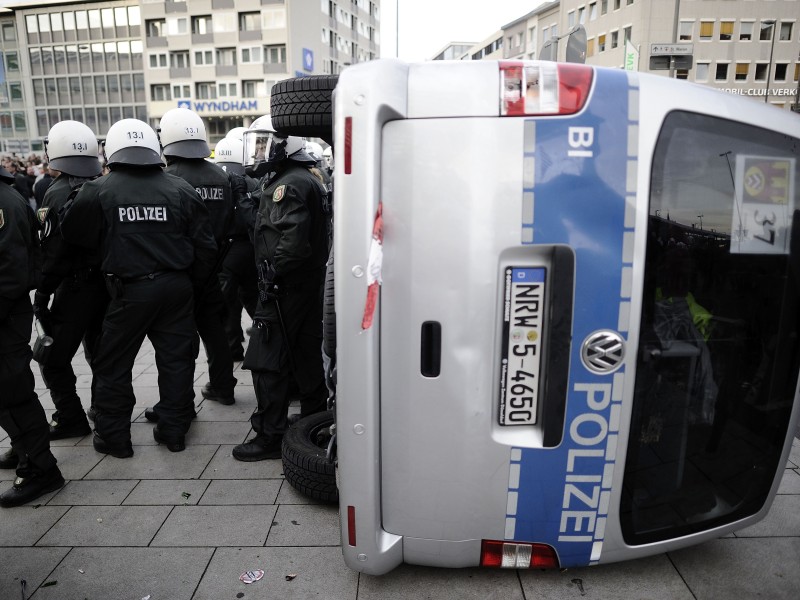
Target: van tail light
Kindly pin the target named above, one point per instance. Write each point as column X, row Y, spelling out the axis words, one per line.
column 512, row 555
column 351, row 525
column 543, row 88
column 348, row 145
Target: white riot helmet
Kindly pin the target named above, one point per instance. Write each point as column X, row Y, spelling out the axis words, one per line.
column 314, row 150
column 327, row 158
column 71, row 147
column 228, row 154
column 236, row 132
column 132, row 142
column 264, row 148
column 182, row 133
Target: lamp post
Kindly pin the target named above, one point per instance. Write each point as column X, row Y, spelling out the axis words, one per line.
column 771, row 23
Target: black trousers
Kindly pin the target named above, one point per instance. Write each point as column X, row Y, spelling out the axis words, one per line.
column 161, row 309
column 210, row 317
column 288, row 362
column 239, row 284
column 77, row 314
column 21, row 413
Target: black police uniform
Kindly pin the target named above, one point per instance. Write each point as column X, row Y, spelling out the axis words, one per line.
column 21, row 414
column 290, row 239
column 80, row 299
column 213, row 187
column 238, row 277
column 157, row 251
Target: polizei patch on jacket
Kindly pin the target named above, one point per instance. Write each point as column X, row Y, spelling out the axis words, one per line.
column 210, row 192
column 42, row 214
column 279, row 193
column 133, row 214
column 2, row 218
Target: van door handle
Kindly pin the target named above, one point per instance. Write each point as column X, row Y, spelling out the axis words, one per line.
column 430, row 364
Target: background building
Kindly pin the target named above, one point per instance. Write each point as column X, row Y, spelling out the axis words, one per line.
column 98, row 62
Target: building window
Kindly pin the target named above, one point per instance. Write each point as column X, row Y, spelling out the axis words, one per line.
column 160, row 93
column 206, row 91
column 706, row 30
column 616, row 4
column 603, row 7
column 614, row 39
column 253, row 89
column 181, row 92
column 15, row 91
column 761, row 71
column 742, row 70
column 9, row 33
column 685, row 30
column 203, row 58
column 179, row 59
column 726, row 30
column 158, row 61
column 275, row 18
column 701, row 72
column 592, row 11
column 780, row 71
column 156, row 27
column 786, row 31
column 797, row 74
column 627, row 33
column 251, row 55
column 570, row 19
column 178, row 26
column 227, row 90
column 12, row 61
column 590, row 47
column 249, row 21
column 601, row 43
column 201, row 25
column 746, row 31
column 275, row 55
column 722, row 72
column 581, row 15
column 682, row 74
column 766, row 31
column 226, row 57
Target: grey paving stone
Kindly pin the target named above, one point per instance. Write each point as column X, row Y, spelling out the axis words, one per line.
column 24, row 525
column 289, row 495
column 122, row 573
column 156, row 462
column 106, row 526
column 782, row 520
column 167, row 492
column 321, row 573
column 206, row 432
column 76, row 462
column 741, row 568
column 652, row 577
column 214, row 411
column 298, row 525
column 88, row 493
column 31, row 564
column 242, row 491
column 216, row 526
column 409, row 581
column 224, row 466
column 790, row 483
column 794, row 455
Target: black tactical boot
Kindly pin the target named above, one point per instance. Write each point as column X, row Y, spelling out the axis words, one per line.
column 257, row 449
column 122, row 451
column 210, row 393
column 26, row 489
column 176, row 444
column 62, row 429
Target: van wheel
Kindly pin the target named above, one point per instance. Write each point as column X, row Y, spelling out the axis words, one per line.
column 301, row 106
column 329, row 312
column 305, row 464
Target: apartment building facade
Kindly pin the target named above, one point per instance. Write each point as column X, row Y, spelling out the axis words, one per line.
column 98, row 62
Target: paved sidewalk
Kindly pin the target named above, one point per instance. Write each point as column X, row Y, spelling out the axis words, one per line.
column 184, row 526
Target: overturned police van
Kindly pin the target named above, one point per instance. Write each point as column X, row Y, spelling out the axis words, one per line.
column 566, row 312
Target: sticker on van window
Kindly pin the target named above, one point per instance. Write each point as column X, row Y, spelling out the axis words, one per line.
column 762, row 215
column 522, row 345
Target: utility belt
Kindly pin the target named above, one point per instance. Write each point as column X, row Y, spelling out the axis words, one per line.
column 116, row 285
column 148, row 277
column 86, row 274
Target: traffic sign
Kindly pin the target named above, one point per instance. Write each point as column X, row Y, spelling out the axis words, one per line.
column 671, row 49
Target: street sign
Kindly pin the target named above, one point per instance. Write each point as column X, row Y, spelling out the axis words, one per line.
column 671, row 49
column 662, row 63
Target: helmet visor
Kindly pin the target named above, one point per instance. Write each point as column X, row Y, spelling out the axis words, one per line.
column 257, row 145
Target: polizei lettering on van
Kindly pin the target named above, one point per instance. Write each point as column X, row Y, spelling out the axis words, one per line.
column 132, row 214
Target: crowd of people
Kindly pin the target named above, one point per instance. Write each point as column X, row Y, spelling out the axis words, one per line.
column 147, row 236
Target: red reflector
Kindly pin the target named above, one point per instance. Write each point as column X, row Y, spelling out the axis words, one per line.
column 513, row 555
column 351, row 525
column 543, row 88
column 348, row 150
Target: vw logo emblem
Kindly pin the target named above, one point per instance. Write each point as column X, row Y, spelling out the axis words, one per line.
column 603, row 351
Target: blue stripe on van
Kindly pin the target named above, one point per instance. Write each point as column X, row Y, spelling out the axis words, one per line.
column 561, row 495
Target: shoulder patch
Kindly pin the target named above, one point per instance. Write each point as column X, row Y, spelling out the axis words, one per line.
column 279, row 193
column 42, row 214
column 2, row 218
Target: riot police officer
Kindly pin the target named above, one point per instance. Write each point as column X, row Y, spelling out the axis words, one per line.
column 71, row 275
column 291, row 249
column 238, row 276
column 157, row 250
column 184, row 144
column 21, row 414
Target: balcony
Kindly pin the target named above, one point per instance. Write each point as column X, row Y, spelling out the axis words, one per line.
column 179, row 72
column 250, row 35
column 202, row 38
column 174, row 7
column 274, row 68
column 215, row 4
column 156, row 42
column 226, row 70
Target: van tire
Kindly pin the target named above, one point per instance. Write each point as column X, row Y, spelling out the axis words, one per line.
column 329, row 312
column 305, row 464
column 302, row 106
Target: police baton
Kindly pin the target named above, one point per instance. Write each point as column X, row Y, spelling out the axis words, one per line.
column 283, row 333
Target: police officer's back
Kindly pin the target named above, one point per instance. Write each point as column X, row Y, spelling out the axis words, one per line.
column 157, row 250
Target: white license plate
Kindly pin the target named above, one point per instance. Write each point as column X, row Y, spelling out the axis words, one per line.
column 522, row 345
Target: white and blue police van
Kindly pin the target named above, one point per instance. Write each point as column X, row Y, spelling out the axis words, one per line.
column 566, row 312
